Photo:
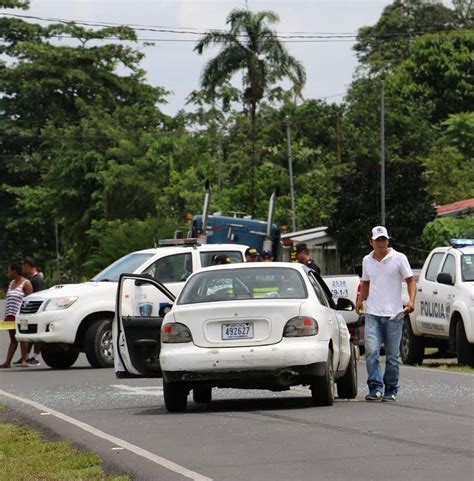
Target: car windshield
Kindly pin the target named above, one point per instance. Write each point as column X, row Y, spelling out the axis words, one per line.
column 467, row 267
column 129, row 263
column 254, row 283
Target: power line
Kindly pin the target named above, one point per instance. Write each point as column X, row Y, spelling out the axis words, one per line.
column 201, row 32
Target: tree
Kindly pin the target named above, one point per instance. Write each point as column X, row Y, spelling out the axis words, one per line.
column 439, row 73
column 383, row 46
column 251, row 47
column 450, row 164
column 440, row 231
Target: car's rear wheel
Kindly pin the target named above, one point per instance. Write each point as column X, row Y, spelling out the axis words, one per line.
column 465, row 350
column 412, row 348
column 322, row 388
column 59, row 359
column 347, row 384
column 176, row 396
column 98, row 344
column 202, row 395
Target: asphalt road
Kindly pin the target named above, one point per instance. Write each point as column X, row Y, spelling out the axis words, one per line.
column 253, row 435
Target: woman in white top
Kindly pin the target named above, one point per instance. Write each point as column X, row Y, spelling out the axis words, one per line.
column 19, row 288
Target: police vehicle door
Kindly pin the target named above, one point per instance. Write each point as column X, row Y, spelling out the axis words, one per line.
column 139, row 312
column 446, row 295
column 427, row 300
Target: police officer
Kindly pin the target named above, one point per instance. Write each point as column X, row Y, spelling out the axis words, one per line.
column 221, row 259
column 266, row 256
column 251, row 255
column 302, row 256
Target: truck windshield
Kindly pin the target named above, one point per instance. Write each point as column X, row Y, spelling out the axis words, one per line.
column 129, row 263
column 233, row 284
column 467, row 267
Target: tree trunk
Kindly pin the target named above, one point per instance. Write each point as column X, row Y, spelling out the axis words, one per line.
column 253, row 156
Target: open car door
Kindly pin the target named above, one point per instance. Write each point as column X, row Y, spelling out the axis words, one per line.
column 141, row 304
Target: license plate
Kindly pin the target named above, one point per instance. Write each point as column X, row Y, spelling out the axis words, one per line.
column 23, row 324
column 242, row 330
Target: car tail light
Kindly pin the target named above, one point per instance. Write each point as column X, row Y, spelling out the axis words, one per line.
column 301, row 326
column 175, row 332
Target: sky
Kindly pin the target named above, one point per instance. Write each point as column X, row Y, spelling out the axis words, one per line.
column 330, row 66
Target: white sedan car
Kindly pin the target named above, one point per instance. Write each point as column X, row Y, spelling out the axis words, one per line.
column 257, row 326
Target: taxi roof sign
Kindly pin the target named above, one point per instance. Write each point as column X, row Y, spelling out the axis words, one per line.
column 462, row 242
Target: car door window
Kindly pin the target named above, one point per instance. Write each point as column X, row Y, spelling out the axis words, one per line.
column 208, row 257
column 433, row 266
column 175, row 268
column 318, row 290
column 449, row 266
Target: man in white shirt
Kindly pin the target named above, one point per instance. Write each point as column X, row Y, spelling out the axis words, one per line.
column 383, row 271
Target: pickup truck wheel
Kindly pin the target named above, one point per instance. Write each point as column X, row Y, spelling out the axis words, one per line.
column 202, row 395
column 347, row 384
column 322, row 388
column 176, row 396
column 98, row 343
column 465, row 350
column 59, row 359
column 412, row 348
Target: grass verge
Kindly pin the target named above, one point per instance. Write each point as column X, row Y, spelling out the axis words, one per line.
column 26, row 456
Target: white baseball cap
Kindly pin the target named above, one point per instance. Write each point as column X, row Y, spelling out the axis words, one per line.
column 379, row 231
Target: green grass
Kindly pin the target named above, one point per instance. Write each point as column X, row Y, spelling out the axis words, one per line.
column 450, row 367
column 26, row 456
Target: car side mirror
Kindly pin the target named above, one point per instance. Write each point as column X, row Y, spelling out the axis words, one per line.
column 344, row 304
column 445, row 278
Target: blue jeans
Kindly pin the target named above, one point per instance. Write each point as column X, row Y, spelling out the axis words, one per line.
column 380, row 329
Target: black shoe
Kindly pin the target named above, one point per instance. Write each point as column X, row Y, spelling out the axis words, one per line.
column 33, row 362
column 17, row 363
column 374, row 396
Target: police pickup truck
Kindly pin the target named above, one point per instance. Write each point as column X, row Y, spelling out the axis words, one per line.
column 444, row 307
column 72, row 318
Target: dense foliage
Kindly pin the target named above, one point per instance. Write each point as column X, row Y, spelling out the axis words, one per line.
column 86, row 152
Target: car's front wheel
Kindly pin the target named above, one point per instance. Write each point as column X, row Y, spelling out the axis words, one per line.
column 98, row 344
column 176, row 396
column 59, row 359
column 322, row 388
column 465, row 350
column 347, row 384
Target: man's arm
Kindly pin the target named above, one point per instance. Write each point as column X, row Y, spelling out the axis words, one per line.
column 411, row 284
column 363, row 295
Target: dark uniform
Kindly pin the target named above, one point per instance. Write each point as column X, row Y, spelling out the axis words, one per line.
column 310, row 263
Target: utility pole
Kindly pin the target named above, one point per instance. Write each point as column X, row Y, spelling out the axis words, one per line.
column 382, row 158
column 56, row 235
column 338, row 139
column 290, row 171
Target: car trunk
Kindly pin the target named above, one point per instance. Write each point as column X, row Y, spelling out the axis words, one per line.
column 238, row 323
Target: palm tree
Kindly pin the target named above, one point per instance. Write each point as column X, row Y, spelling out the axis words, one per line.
column 251, row 47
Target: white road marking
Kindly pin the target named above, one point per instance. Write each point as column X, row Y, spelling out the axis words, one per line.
column 140, row 390
column 166, row 463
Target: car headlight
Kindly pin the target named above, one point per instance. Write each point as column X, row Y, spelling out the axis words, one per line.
column 57, row 303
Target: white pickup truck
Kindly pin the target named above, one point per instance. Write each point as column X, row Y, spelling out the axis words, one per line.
column 72, row 318
column 444, row 307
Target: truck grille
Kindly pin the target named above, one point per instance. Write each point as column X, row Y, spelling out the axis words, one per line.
column 30, row 307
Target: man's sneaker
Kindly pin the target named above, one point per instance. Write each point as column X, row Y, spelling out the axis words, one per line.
column 374, row 396
column 17, row 362
column 33, row 362
column 389, row 398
